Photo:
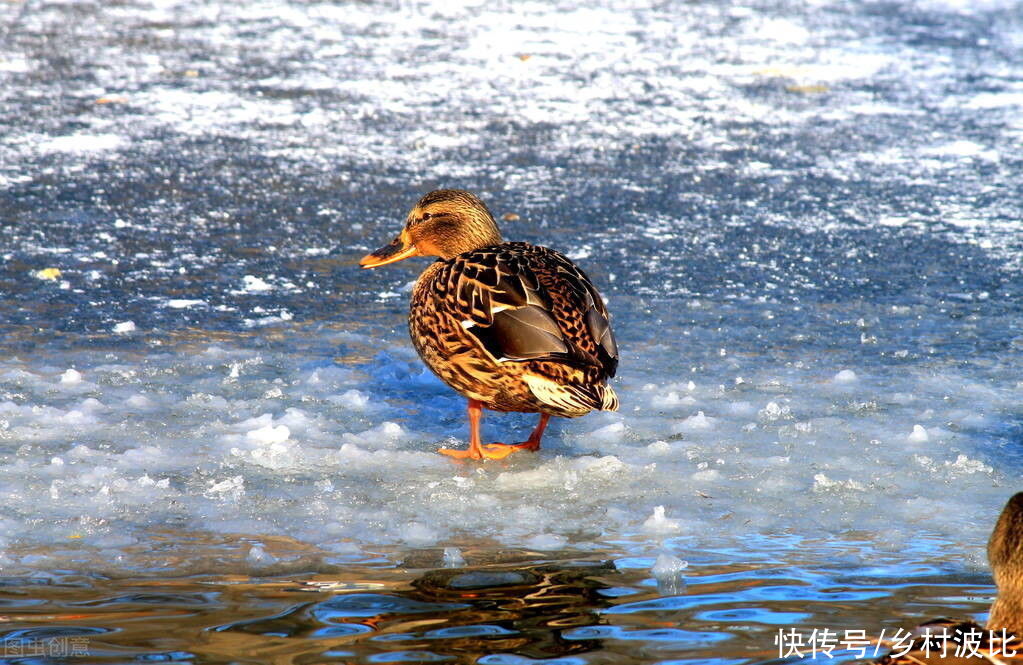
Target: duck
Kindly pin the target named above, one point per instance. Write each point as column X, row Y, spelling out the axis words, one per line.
column 1000, row 640
column 510, row 326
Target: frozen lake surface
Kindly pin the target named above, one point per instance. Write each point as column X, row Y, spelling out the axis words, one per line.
column 805, row 219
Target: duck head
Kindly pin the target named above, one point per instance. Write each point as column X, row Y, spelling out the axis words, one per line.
column 444, row 223
column 1005, row 553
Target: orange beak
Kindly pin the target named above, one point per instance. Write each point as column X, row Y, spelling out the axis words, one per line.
column 398, row 249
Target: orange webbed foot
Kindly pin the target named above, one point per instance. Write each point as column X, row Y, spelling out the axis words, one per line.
column 460, row 454
column 490, row 450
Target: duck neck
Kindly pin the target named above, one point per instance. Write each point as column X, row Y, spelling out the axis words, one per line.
column 471, row 237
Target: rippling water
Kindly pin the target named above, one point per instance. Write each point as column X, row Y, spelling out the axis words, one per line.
column 506, row 607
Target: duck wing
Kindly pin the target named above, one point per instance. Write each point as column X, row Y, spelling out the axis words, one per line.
column 524, row 302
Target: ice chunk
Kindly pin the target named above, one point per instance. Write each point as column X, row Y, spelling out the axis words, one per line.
column 353, row 399
column 546, row 542
column 417, row 534
column 658, row 523
column 698, row 423
column 181, row 303
column 845, row 376
column 254, row 284
column 612, row 433
column 384, row 435
column 667, row 570
column 659, row 448
column 774, row 411
column 81, row 452
column 258, row 556
column 138, row 401
column 71, row 377
column 124, row 327
column 234, row 486
column 964, row 464
column 821, row 483
column 672, row 399
column 269, row 434
column 453, row 558
column 918, row 435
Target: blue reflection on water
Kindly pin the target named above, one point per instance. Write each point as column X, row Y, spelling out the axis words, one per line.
column 754, row 615
column 694, row 638
column 741, row 597
column 372, row 604
column 407, row 657
column 482, row 630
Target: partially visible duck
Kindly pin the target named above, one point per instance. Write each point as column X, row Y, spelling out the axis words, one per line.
column 509, row 325
column 1001, row 640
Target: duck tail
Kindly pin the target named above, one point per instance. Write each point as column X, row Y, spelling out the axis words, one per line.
column 608, row 398
column 571, row 400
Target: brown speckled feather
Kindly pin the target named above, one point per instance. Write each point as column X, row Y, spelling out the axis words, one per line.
column 518, row 327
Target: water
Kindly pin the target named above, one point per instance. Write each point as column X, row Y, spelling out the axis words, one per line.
column 804, row 219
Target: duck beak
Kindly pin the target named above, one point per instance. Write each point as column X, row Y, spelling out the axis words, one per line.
column 398, row 249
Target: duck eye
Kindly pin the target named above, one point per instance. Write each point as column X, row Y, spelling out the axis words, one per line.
column 425, row 216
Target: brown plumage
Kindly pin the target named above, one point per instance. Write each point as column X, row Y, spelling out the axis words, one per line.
column 509, row 325
column 1005, row 554
column 1000, row 640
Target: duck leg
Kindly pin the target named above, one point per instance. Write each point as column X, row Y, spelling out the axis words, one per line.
column 502, row 450
column 533, row 443
column 477, row 450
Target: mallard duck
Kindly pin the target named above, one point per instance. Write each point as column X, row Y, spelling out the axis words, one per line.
column 509, row 325
column 948, row 641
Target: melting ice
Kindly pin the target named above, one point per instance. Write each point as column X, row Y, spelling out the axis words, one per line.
column 805, row 221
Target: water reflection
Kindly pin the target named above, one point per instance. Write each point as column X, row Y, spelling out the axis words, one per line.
column 452, row 614
column 500, row 610
column 531, row 606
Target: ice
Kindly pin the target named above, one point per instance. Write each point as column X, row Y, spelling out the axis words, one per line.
column 667, row 570
column 963, row 464
column 845, row 376
column 256, row 284
column 821, row 483
column 419, row 535
column 918, row 435
column 79, row 143
column 258, row 556
column 453, row 558
column 807, row 231
column 269, row 434
column 546, row 541
column 352, row 399
column 70, row 377
column 231, row 486
column 774, row 411
column 659, row 524
column 696, row 423
column 183, row 303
